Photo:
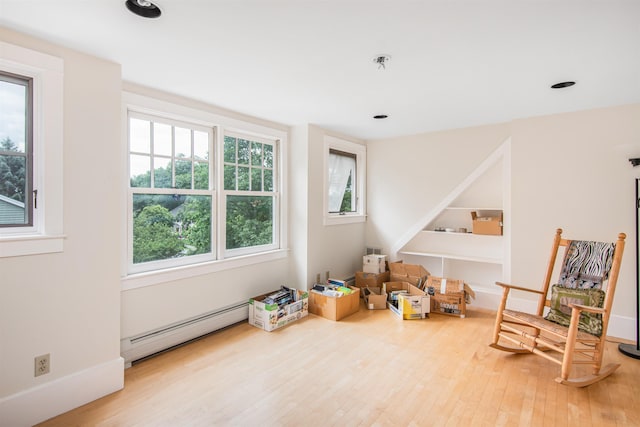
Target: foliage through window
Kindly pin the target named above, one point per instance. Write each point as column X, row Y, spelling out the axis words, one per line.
column 170, row 190
column 16, row 151
column 174, row 216
column 249, row 191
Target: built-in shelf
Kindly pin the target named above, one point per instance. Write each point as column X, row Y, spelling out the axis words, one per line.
column 454, row 256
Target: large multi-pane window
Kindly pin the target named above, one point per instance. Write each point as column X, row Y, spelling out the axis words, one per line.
column 249, row 192
column 176, row 214
column 171, row 197
column 17, row 195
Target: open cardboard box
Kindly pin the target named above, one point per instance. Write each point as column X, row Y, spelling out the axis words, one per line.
column 451, row 296
column 413, row 305
column 374, row 298
column 270, row 317
column 335, row 308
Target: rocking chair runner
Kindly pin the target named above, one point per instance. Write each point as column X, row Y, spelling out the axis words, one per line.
column 575, row 329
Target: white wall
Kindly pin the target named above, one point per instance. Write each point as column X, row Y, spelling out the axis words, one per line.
column 68, row 304
column 568, row 170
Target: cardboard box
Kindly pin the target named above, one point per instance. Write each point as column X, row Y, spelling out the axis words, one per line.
column 334, row 308
column 490, row 225
column 270, row 317
column 415, row 304
column 374, row 264
column 450, row 296
column 412, row 273
column 374, row 298
column 371, row 280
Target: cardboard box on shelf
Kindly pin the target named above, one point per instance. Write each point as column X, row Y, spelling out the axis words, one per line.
column 450, row 296
column 413, row 303
column 489, row 225
column 335, row 307
column 374, row 298
column 374, row 264
column 412, row 273
column 371, row 280
column 271, row 316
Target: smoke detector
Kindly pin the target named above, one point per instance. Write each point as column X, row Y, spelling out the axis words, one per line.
column 381, row 61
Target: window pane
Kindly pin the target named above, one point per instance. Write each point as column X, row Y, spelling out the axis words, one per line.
column 13, row 189
column 166, row 227
column 243, row 178
column 201, row 176
column 162, row 172
column 243, row 151
column 249, row 221
column 342, row 170
column 229, row 177
column 13, row 107
column 140, row 170
column 268, row 180
column 139, row 136
column 256, row 154
column 183, row 142
column 183, row 174
column 268, row 156
column 229, row 149
column 161, row 139
column 256, row 179
column 200, row 145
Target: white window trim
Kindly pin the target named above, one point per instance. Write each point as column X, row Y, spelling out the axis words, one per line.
column 231, row 253
column 360, row 151
column 46, row 235
column 156, row 107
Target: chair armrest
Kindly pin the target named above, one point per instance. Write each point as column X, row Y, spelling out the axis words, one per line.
column 518, row 288
column 587, row 308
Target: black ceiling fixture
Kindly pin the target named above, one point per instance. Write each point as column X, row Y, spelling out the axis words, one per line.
column 380, row 116
column 562, row 85
column 143, row 8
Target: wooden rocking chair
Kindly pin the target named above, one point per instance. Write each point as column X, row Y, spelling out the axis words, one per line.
column 575, row 328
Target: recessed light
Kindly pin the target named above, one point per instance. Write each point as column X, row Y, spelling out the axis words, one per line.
column 380, row 116
column 562, row 85
column 143, row 8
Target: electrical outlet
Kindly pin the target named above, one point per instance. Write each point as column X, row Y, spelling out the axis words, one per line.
column 42, row 365
column 328, row 275
column 318, row 278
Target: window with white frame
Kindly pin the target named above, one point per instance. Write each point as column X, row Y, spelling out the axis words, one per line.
column 171, row 196
column 250, row 196
column 344, row 181
column 17, row 196
column 31, row 106
column 188, row 206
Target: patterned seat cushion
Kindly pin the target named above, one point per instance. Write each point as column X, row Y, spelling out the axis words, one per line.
column 560, row 312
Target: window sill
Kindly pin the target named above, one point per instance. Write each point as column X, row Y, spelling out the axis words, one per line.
column 343, row 219
column 32, row 244
column 150, row 278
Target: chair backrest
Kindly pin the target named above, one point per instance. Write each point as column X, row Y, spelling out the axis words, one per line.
column 586, row 265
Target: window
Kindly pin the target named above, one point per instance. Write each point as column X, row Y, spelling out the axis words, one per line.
column 31, row 169
column 344, row 181
column 203, row 194
column 16, row 151
column 249, row 193
column 171, row 197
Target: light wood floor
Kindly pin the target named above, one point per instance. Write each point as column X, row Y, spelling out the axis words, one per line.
column 368, row 369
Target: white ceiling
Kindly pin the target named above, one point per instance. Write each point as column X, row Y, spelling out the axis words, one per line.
column 454, row 63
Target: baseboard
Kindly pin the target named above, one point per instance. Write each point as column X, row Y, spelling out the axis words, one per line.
column 619, row 326
column 45, row 401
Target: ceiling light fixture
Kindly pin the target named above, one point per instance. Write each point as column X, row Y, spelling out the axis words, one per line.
column 380, row 116
column 562, row 85
column 382, row 60
column 143, row 8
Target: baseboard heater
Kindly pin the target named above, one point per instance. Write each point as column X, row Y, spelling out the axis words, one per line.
column 151, row 342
